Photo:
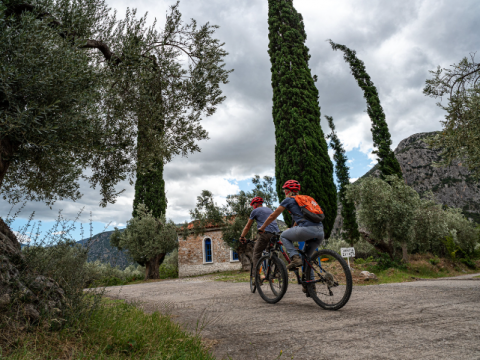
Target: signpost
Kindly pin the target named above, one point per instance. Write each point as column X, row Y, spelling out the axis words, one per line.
column 348, row 253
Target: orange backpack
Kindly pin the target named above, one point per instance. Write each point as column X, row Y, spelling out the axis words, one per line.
column 310, row 209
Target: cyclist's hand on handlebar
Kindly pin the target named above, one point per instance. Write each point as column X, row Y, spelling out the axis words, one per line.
column 261, row 231
column 243, row 240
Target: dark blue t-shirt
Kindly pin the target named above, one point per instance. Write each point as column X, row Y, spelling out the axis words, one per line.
column 261, row 214
column 291, row 205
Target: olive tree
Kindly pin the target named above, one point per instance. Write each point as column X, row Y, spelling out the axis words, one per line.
column 147, row 240
column 392, row 215
column 233, row 216
column 387, row 210
column 77, row 85
column 460, row 137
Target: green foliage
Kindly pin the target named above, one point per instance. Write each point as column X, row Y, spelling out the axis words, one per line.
column 385, row 262
column 234, row 215
column 207, row 212
column 434, row 261
column 55, row 256
column 64, row 108
column 394, row 213
column 146, row 236
column 459, row 138
column 381, row 136
column 362, row 248
column 350, row 226
column 301, row 152
column 150, row 190
column 116, row 330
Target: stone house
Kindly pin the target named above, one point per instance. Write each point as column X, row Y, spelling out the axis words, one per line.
column 204, row 254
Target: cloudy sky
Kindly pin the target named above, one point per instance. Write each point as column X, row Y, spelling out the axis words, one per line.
column 399, row 41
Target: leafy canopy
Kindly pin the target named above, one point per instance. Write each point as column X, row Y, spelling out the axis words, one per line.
column 146, row 236
column 460, row 138
column 394, row 213
column 76, row 83
column 233, row 216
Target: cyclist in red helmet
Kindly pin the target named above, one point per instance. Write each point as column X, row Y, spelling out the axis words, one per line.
column 302, row 230
column 259, row 214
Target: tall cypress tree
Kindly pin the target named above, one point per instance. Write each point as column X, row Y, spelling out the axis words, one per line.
column 381, row 136
column 350, row 228
column 150, row 190
column 301, row 152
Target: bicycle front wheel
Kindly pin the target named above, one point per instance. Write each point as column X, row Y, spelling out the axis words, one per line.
column 331, row 284
column 271, row 278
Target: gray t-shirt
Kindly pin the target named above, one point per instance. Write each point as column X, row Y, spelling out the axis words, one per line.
column 261, row 214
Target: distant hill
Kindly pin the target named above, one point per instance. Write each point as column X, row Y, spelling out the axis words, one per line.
column 100, row 249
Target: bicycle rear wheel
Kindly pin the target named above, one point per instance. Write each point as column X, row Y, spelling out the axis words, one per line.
column 253, row 286
column 333, row 285
column 271, row 278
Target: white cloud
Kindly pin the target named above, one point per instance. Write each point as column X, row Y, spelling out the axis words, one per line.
column 22, row 238
column 352, row 180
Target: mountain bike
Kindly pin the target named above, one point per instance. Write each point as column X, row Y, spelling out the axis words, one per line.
column 325, row 274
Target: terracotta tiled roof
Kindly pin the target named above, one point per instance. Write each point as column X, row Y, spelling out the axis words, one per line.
column 209, row 225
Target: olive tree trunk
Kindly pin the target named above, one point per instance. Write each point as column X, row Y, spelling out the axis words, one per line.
column 245, row 253
column 152, row 267
column 404, row 252
column 6, row 153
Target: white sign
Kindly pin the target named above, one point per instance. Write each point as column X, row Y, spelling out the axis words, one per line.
column 348, row 252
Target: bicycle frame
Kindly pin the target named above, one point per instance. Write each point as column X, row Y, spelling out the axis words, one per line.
column 277, row 245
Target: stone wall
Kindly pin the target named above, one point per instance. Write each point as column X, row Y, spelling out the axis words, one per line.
column 191, row 255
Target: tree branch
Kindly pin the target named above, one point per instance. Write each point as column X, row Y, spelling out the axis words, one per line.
column 100, row 45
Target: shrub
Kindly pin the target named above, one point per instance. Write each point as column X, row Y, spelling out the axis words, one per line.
column 434, row 261
column 362, row 248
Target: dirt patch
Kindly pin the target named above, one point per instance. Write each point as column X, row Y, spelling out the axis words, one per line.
column 415, row 320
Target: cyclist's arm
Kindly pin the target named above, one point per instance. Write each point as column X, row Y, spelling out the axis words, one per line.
column 272, row 217
column 247, row 227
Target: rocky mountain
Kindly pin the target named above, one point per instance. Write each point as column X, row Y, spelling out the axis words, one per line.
column 100, row 249
column 452, row 185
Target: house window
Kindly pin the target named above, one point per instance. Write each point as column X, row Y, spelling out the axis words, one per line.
column 207, row 250
column 233, row 255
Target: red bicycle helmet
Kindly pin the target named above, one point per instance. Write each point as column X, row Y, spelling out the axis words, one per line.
column 293, row 185
column 256, row 199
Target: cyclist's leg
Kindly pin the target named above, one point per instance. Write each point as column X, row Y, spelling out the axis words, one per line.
column 260, row 245
column 299, row 234
column 310, row 247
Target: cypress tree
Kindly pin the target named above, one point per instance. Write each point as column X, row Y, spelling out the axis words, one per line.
column 301, row 152
column 150, row 190
column 350, row 228
column 387, row 162
column 149, row 184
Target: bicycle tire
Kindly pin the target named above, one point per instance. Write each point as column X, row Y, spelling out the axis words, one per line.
column 277, row 276
column 253, row 285
column 336, row 278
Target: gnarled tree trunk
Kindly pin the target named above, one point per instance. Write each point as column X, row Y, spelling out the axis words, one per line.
column 381, row 246
column 245, row 252
column 152, row 267
column 404, row 252
column 6, row 153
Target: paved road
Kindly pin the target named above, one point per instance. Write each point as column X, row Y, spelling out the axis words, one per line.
column 418, row 320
